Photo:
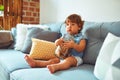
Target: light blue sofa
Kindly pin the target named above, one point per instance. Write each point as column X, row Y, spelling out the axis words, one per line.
column 14, row 67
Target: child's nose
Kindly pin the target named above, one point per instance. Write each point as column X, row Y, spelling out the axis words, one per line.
column 69, row 26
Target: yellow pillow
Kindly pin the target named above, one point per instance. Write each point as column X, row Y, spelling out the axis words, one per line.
column 42, row 49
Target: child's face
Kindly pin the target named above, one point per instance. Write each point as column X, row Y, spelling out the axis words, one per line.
column 72, row 28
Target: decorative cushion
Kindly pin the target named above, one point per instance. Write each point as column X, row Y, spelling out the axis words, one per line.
column 104, row 59
column 6, row 39
column 22, row 32
column 42, row 49
column 38, row 33
column 20, row 37
column 114, row 70
column 13, row 33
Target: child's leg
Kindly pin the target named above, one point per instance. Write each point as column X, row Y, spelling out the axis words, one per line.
column 66, row 64
column 40, row 63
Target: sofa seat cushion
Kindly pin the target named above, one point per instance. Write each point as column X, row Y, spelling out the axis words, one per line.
column 78, row 73
column 11, row 60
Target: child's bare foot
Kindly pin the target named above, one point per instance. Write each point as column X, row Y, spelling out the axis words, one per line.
column 55, row 60
column 30, row 61
column 51, row 68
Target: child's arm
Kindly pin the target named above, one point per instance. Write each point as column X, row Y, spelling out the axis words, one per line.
column 81, row 46
column 78, row 47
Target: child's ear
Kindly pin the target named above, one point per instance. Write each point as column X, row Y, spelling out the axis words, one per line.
column 79, row 28
column 79, row 25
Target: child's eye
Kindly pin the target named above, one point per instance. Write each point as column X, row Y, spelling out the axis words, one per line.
column 67, row 24
column 73, row 24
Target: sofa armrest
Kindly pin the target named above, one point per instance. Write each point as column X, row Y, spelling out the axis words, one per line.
column 6, row 39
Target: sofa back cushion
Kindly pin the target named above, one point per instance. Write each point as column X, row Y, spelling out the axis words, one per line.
column 96, row 33
column 54, row 27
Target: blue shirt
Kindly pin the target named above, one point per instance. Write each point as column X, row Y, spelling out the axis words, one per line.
column 76, row 39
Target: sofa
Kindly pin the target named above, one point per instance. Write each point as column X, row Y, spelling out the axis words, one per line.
column 14, row 67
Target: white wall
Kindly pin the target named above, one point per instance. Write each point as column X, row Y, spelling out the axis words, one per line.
column 90, row 10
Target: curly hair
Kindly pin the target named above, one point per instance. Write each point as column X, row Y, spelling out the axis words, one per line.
column 75, row 18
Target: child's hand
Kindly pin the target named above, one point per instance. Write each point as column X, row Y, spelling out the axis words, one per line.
column 59, row 42
column 69, row 44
